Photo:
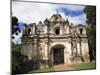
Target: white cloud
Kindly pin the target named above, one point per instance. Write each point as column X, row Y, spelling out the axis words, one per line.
column 81, row 19
column 30, row 12
column 77, row 19
column 71, row 7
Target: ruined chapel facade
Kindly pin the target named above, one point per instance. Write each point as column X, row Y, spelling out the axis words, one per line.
column 55, row 41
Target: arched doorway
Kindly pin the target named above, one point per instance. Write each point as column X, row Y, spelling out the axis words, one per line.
column 58, row 54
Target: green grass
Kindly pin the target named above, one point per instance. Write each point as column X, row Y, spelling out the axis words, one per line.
column 43, row 70
column 84, row 66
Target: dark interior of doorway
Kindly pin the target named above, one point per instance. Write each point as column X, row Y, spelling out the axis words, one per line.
column 58, row 54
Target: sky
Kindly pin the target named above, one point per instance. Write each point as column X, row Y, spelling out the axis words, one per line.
column 31, row 12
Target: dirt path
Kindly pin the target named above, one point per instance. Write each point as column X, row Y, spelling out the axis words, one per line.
column 63, row 67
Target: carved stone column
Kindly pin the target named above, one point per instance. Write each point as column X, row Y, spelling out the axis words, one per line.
column 85, row 50
column 69, row 52
column 46, row 55
column 65, row 56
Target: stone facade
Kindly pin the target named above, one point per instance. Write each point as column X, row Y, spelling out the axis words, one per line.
column 55, row 41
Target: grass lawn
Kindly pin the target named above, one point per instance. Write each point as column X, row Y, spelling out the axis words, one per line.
column 43, row 70
column 84, row 66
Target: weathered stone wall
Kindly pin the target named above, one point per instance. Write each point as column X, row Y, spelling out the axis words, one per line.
column 64, row 38
column 28, row 50
column 85, row 51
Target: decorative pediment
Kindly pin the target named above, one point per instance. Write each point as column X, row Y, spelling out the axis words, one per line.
column 56, row 18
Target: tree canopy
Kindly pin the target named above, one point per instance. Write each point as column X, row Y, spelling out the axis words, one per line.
column 14, row 20
column 90, row 14
column 15, row 24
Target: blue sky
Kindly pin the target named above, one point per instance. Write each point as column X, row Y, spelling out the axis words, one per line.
column 29, row 12
column 20, row 25
column 68, row 12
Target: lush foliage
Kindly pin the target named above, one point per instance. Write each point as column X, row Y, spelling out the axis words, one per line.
column 91, row 14
column 91, row 30
column 20, row 62
column 14, row 24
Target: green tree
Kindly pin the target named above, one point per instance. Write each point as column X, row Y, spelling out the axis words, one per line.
column 90, row 12
column 14, row 24
column 14, row 20
column 20, row 62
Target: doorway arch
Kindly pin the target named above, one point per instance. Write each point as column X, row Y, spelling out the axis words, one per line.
column 57, row 54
